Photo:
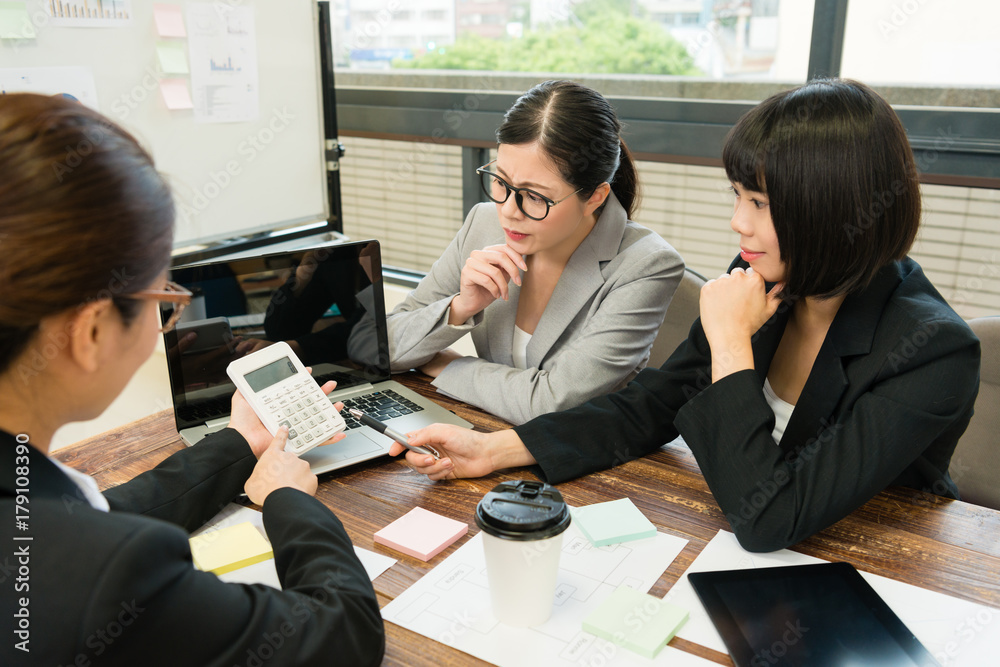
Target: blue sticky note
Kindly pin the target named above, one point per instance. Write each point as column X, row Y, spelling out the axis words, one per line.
column 636, row 621
column 613, row 522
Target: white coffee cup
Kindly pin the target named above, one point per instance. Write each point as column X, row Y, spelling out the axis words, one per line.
column 523, row 524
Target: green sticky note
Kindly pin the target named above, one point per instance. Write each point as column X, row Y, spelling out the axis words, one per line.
column 15, row 22
column 173, row 57
column 636, row 621
column 613, row 522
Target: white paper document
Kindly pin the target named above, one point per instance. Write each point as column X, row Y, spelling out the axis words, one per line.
column 265, row 572
column 451, row 604
column 957, row 632
column 223, row 61
column 72, row 81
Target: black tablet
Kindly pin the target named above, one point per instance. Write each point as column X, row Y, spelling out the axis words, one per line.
column 823, row 615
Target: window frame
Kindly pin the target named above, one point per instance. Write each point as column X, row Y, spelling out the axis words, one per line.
column 957, row 146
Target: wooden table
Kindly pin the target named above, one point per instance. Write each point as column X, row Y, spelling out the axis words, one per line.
column 922, row 539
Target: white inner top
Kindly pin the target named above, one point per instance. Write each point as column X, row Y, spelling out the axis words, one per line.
column 87, row 486
column 521, row 340
column 782, row 411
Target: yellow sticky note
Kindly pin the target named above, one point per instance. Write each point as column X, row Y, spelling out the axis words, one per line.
column 15, row 22
column 229, row 549
column 172, row 57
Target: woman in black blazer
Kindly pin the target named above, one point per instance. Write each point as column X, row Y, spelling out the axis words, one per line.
column 86, row 227
column 824, row 366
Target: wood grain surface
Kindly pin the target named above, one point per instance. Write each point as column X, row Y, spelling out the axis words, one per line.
column 922, row 539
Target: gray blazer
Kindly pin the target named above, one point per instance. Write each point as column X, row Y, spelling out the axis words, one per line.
column 594, row 336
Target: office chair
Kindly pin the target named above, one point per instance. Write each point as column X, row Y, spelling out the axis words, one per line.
column 975, row 465
column 681, row 314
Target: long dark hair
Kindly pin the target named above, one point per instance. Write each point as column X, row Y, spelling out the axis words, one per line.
column 83, row 215
column 580, row 131
column 838, row 171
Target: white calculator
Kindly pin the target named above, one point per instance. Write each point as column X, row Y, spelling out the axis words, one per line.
column 282, row 393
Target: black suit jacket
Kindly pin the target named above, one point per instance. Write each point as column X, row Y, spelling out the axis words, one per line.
column 118, row 587
column 889, row 394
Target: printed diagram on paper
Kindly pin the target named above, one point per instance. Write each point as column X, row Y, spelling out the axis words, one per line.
column 223, row 54
column 451, row 603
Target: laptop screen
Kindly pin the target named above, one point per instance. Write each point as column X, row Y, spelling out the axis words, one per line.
column 327, row 303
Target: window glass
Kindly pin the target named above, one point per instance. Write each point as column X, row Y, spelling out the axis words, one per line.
column 952, row 44
column 409, row 196
column 718, row 39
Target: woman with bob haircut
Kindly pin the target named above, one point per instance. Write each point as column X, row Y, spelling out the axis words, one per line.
column 562, row 292
column 85, row 255
column 824, row 366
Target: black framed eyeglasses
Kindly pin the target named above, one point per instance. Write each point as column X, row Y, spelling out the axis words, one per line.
column 533, row 204
column 172, row 293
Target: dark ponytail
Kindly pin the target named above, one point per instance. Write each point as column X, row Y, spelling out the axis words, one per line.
column 626, row 183
column 579, row 130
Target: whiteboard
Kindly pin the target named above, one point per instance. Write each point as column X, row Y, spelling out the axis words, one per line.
column 229, row 178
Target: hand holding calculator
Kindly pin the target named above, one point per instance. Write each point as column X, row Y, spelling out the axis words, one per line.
column 283, row 393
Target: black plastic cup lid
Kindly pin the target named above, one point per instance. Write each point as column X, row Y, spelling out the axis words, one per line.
column 523, row 510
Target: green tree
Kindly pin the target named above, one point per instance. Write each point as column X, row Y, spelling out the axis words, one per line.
column 603, row 39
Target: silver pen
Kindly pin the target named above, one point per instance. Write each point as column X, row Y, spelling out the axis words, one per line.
column 395, row 435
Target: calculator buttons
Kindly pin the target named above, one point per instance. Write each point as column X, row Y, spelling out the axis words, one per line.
column 309, row 416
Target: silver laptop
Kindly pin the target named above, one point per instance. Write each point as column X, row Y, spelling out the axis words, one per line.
column 327, row 302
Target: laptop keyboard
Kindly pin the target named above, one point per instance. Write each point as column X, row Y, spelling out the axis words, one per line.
column 205, row 410
column 380, row 405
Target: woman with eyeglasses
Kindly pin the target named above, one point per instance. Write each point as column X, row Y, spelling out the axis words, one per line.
column 107, row 578
column 824, row 367
column 562, row 292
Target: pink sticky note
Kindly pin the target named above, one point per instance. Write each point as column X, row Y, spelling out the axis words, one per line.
column 175, row 94
column 169, row 20
column 421, row 534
